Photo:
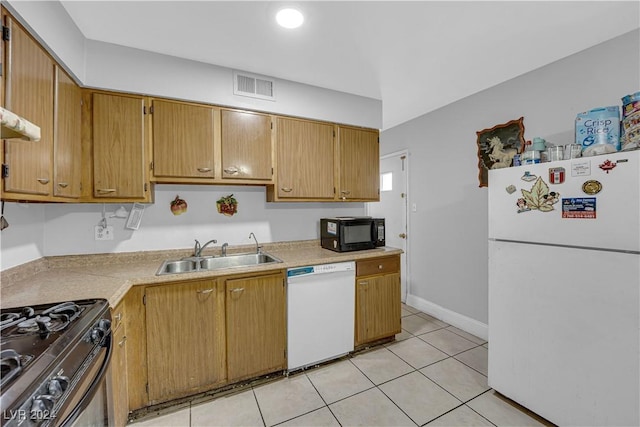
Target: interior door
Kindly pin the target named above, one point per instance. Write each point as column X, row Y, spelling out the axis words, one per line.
column 393, row 207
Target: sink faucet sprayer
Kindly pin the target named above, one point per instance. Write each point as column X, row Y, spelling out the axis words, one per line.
column 197, row 251
column 254, row 238
column 224, row 249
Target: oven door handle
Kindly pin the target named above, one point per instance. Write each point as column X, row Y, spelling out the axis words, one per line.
column 95, row 385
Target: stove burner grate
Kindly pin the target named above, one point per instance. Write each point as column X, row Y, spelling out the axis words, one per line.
column 11, row 364
column 53, row 319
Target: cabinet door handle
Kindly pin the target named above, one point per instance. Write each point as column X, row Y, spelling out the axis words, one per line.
column 122, row 341
column 345, row 192
column 118, row 317
column 402, row 235
column 380, row 267
column 205, row 291
column 286, row 189
column 363, row 283
column 106, row 190
column 43, row 180
column 63, row 184
column 203, row 170
column 235, row 290
column 232, row 170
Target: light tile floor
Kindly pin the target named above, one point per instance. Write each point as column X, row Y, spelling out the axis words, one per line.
column 433, row 374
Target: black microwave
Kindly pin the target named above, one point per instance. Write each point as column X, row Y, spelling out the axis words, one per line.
column 343, row 234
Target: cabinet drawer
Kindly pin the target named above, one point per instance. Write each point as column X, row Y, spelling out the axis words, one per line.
column 378, row 266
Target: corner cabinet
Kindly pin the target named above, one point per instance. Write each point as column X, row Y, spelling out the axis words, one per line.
column 40, row 91
column 185, row 339
column 29, row 89
column 305, row 161
column 378, row 303
column 256, row 325
column 115, row 148
column 359, row 162
column 67, row 142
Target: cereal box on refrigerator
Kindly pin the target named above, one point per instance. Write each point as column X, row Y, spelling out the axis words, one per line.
column 598, row 131
column 630, row 129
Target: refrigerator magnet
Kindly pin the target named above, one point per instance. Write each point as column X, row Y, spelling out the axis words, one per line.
column 591, row 187
column 528, row 176
column 511, row 189
column 607, row 165
column 580, row 208
column 556, row 175
column 580, row 167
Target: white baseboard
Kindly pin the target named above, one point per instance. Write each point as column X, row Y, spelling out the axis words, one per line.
column 467, row 324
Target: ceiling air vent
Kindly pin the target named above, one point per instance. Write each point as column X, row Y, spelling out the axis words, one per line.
column 253, row 86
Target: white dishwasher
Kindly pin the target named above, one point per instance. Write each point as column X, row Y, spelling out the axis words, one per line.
column 320, row 313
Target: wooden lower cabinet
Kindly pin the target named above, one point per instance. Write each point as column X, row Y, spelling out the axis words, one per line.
column 119, row 394
column 256, row 325
column 185, row 339
column 377, row 299
column 136, row 348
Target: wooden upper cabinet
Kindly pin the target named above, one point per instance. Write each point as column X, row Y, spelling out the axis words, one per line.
column 67, row 143
column 359, row 164
column 119, row 147
column 28, row 93
column 305, row 168
column 246, row 145
column 183, row 140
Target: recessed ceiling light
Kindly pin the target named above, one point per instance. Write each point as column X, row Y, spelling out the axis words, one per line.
column 289, row 18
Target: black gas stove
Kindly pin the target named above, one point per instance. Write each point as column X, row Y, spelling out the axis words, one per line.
column 51, row 356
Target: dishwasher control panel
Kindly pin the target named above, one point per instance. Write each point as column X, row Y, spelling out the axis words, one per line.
column 322, row 268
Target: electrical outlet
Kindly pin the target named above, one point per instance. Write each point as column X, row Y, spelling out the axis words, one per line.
column 104, row 233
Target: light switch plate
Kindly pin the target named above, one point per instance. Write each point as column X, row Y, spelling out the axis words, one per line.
column 104, row 233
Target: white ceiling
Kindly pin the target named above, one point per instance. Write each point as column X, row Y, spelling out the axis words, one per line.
column 415, row 56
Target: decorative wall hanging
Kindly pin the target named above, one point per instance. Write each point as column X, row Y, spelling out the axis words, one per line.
column 178, row 206
column 497, row 146
column 227, row 205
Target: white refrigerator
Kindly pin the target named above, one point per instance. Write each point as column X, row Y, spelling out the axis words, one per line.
column 564, row 280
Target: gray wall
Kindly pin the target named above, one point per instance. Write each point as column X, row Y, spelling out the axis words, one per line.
column 448, row 234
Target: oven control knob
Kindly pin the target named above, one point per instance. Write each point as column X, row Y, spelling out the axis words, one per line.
column 41, row 407
column 104, row 324
column 97, row 334
column 58, row 385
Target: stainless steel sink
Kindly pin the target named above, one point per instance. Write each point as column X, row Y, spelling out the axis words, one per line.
column 178, row 266
column 193, row 264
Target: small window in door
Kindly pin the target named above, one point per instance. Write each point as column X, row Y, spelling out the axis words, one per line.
column 386, row 181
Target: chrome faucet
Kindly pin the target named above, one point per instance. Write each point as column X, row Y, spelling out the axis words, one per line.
column 197, row 250
column 254, row 238
column 224, row 249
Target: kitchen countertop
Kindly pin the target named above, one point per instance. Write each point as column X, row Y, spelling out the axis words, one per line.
column 110, row 276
